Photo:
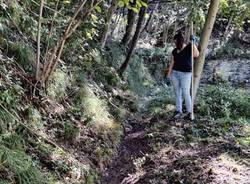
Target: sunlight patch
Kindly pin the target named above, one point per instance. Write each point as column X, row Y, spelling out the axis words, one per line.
column 227, row 170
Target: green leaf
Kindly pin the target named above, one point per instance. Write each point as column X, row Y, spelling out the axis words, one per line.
column 66, row 2
column 94, row 18
column 136, row 10
column 89, row 35
column 98, row 9
column 144, row 4
column 139, row 3
column 121, row 4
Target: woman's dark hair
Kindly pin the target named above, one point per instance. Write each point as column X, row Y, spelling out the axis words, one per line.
column 179, row 40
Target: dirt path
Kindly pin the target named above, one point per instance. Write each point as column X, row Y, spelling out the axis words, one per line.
column 161, row 151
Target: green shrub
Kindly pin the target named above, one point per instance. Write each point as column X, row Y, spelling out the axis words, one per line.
column 34, row 118
column 14, row 159
column 23, row 54
column 232, row 49
column 223, row 101
column 161, row 97
column 58, row 84
column 68, row 132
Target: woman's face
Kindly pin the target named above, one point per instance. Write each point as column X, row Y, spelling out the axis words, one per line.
column 174, row 43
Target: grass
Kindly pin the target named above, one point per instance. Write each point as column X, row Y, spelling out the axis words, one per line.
column 58, row 84
column 97, row 109
column 16, row 161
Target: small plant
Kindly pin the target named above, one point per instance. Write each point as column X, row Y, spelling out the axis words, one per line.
column 68, row 132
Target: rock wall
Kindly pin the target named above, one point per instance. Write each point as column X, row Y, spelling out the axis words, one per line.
column 233, row 71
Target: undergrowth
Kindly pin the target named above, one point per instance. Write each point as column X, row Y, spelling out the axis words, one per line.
column 232, row 49
column 223, row 101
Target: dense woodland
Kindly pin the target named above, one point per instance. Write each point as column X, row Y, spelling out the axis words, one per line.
column 84, row 97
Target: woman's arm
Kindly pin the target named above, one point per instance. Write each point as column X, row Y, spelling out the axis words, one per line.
column 169, row 70
column 196, row 52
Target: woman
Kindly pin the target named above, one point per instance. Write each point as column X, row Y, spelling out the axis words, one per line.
column 180, row 72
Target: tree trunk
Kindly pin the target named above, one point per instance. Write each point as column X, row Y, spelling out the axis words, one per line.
column 130, row 24
column 57, row 50
column 227, row 30
column 134, row 40
column 150, row 19
column 110, row 13
column 205, row 35
column 116, row 27
column 38, row 52
column 150, row 24
column 165, row 33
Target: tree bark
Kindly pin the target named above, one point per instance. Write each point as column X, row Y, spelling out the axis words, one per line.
column 205, row 35
column 134, row 40
column 165, row 33
column 227, row 30
column 110, row 13
column 150, row 19
column 130, row 25
column 38, row 52
column 57, row 50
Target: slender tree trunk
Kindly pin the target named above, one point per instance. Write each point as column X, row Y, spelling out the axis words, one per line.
column 116, row 26
column 205, row 35
column 134, row 40
column 130, row 25
column 227, row 30
column 52, row 28
column 150, row 24
column 38, row 53
column 150, row 19
column 108, row 22
column 165, row 33
column 57, row 50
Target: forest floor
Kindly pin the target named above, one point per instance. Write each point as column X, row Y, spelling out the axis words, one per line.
column 159, row 150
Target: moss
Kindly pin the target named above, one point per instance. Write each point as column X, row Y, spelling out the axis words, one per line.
column 34, row 118
column 92, row 177
column 58, row 84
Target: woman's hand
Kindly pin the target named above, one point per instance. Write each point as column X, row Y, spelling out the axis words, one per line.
column 169, row 70
column 194, row 40
column 169, row 74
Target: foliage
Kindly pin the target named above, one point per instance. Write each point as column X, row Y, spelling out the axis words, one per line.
column 135, row 8
column 223, row 101
column 160, row 98
column 69, row 132
column 237, row 10
column 232, row 49
column 58, row 84
column 13, row 158
column 196, row 12
column 10, row 92
column 23, row 54
column 34, row 118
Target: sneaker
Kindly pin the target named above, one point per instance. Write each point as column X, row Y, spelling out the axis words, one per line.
column 189, row 116
column 177, row 115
